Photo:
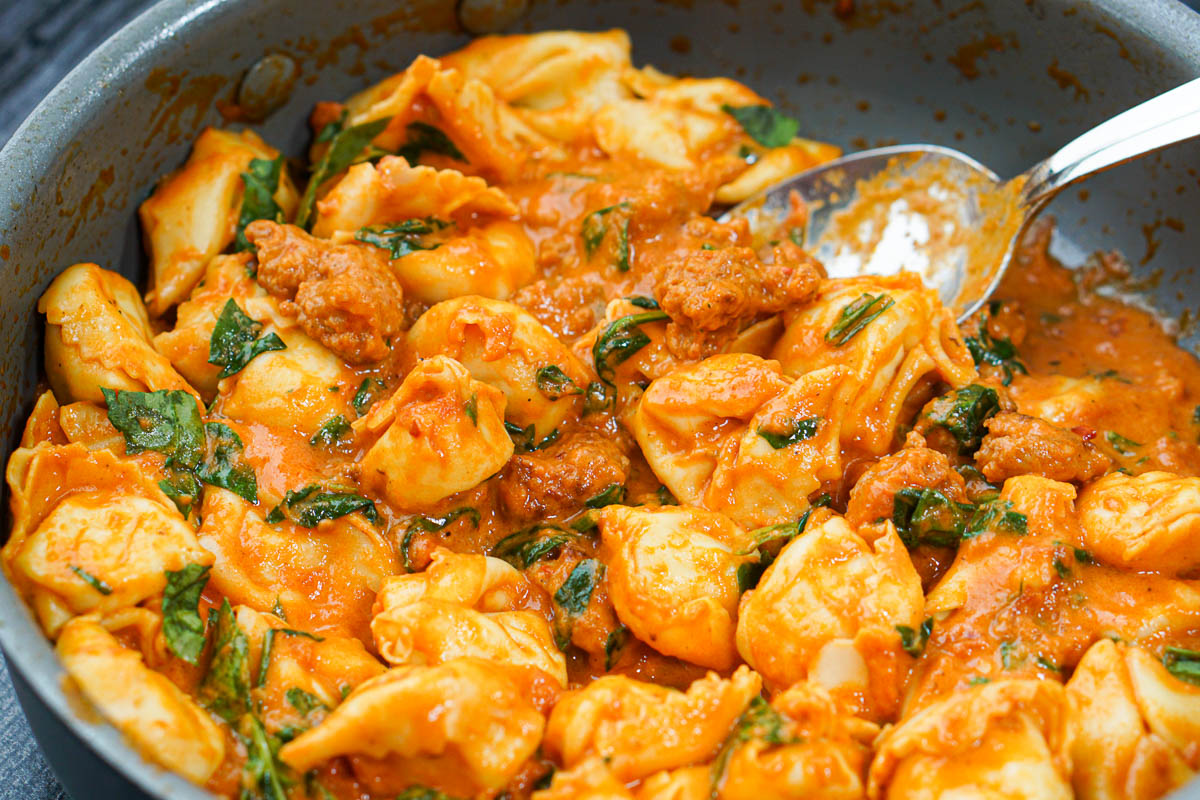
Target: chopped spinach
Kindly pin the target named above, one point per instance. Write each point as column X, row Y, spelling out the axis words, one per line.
column 614, row 494
column 419, row 525
column 235, row 340
column 330, row 432
column 596, row 398
column 525, row 439
column 166, row 421
column 267, row 776
column 346, row 145
column 664, row 497
column 963, row 413
column 91, row 580
column 996, row 515
column 1002, row 353
column 224, row 464
column 641, row 301
column 268, row 647
column 423, row 793
column 576, row 591
column 785, row 531
column 1122, row 445
column 182, row 626
column 856, row 315
column 595, row 228
column 798, row 431
column 620, row 340
column 182, row 487
column 312, row 505
column 928, row 517
column 528, row 546
column 613, row 645
column 425, row 138
column 554, row 383
column 258, row 197
column 402, row 238
column 913, row 641
column 764, row 124
column 366, row 395
column 759, row 722
column 225, row 689
column 1183, row 664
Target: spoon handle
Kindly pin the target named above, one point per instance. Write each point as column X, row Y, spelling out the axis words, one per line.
column 1164, row 120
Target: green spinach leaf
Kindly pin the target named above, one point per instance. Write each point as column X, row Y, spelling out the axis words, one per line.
column 235, row 340
column 258, row 197
column 182, row 626
column 764, row 124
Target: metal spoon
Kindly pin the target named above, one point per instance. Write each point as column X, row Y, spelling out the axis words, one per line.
column 941, row 214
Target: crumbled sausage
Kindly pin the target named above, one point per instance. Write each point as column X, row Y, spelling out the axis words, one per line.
column 711, row 293
column 917, row 467
column 1019, row 445
column 559, row 479
column 345, row 296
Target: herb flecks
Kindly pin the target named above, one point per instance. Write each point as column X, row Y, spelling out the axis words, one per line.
column 797, row 431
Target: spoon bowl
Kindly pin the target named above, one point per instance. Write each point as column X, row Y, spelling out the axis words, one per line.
column 940, row 213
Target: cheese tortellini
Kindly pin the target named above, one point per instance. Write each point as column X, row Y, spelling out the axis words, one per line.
column 1145, row 522
column 673, row 578
column 828, row 610
column 457, row 608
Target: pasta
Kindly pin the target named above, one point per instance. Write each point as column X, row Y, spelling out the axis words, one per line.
column 488, row 464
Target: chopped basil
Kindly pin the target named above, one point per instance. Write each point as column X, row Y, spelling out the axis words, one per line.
column 419, row 525
column 620, row 340
column 641, row 301
column 554, row 383
column 613, row 645
column 1125, row 447
column 528, row 546
column 330, row 432
column 225, row 689
column 800, row 429
column 264, row 661
column 235, row 340
column 366, row 395
column 525, row 439
column 1183, row 664
column 997, row 352
column 471, row 409
column 346, row 145
column 402, row 238
column 913, row 641
column 612, row 495
column 91, row 580
column 595, row 227
column 928, row 517
column 258, row 197
column 576, row 592
column 425, row 138
column 963, row 412
column 312, row 505
column 764, row 124
column 857, row 315
column 224, row 464
column 182, row 626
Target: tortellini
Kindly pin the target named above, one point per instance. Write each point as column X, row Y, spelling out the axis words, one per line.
column 1134, row 724
column 163, row 724
column 673, row 578
column 889, row 332
column 1005, row 740
column 267, row 566
column 463, row 727
column 291, row 387
column 98, row 336
column 440, row 433
column 93, row 533
column 1145, row 522
column 502, row 345
column 193, row 214
column 458, row 607
column 622, row 721
column 827, row 610
column 732, row 434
